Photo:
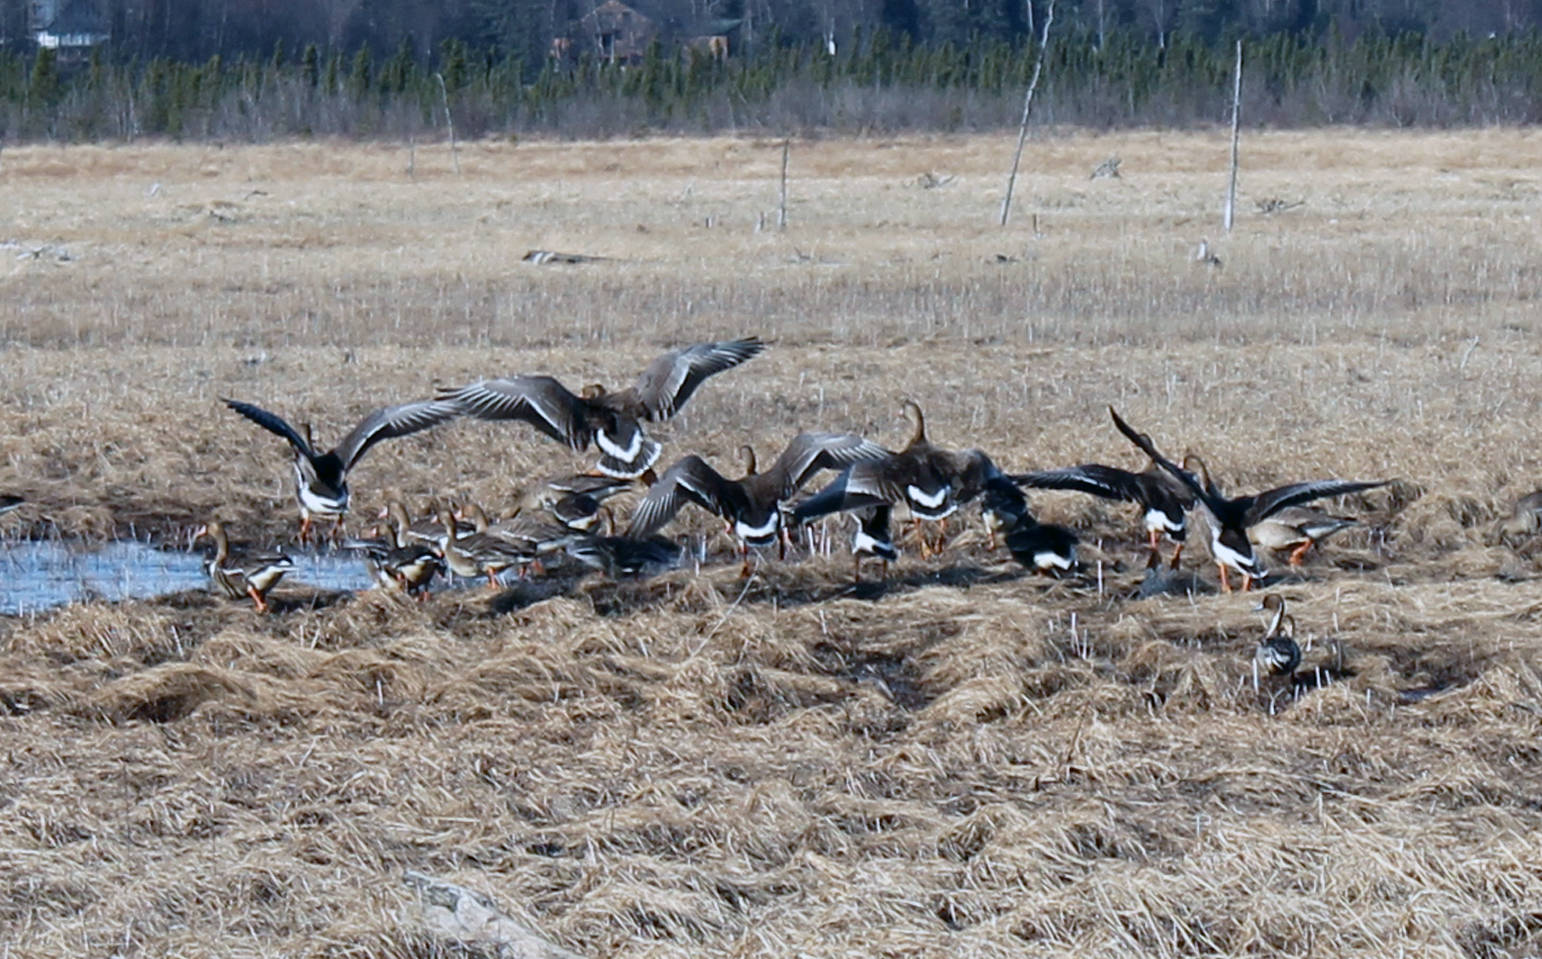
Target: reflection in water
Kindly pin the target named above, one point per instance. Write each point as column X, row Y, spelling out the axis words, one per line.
column 41, row 575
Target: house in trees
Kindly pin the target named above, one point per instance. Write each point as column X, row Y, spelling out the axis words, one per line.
column 69, row 27
column 621, row 33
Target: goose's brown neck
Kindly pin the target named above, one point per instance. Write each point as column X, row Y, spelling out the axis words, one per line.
column 747, row 457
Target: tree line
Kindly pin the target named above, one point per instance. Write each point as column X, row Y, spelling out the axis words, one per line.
column 880, row 78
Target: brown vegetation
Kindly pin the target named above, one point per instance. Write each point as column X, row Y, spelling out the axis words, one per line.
column 970, row 762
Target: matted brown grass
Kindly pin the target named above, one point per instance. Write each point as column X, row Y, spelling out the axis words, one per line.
column 969, row 762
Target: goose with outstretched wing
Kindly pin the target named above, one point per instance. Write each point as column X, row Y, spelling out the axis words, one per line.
column 751, row 505
column 1230, row 517
column 610, row 420
column 321, row 478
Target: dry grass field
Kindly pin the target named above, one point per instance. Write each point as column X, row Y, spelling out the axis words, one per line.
column 969, row 761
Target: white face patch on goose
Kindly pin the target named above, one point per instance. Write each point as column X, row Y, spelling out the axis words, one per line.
column 626, row 453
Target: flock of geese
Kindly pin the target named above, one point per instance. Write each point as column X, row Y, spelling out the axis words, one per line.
column 760, row 509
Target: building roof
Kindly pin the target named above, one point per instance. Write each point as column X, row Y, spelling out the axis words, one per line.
column 75, row 17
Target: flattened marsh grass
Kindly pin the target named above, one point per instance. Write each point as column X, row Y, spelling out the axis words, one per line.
column 971, row 760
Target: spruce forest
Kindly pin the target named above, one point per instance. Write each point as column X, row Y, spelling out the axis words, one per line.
column 256, row 70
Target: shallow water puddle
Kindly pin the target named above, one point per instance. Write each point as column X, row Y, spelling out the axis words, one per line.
column 39, row 575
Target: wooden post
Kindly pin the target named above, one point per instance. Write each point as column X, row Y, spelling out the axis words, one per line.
column 1022, row 129
column 781, row 210
column 1236, row 115
column 449, row 122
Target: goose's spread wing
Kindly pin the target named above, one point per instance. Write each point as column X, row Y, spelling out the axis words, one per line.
column 538, row 400
column 1109, row 482
column 390, row 422
column 808, row 453
column 273, row 423
column 1205, row 498
column 689, row 479
column 1268, row 503
column 869, row 483
column 669, row 381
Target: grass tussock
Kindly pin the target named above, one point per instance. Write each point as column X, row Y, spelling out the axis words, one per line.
column 967, row 759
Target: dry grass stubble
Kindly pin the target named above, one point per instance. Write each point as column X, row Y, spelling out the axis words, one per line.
column 971, row 762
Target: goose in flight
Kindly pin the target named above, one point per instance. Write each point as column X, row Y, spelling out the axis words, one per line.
column 321, row 478
column 610, row 420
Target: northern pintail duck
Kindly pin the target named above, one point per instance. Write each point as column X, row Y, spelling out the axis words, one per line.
column 478, row 554
column 397, row 563
column 1230, row 517
column 1277, row 653
column 751, row 506
column 245, row 573
column 1163, row 500
column 611, row 420
column 321, row 478
column 530, row 534
column 619, row 556
column 574, row 500
column 1298, row 529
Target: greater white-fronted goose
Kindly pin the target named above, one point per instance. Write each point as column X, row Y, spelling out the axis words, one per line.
column 1277, row 653
column 321, row 479
column 1164, row 501
column 611, row 420
column 1298, row 529
column 1230, row 517
column 245, row 573
column 752, row 504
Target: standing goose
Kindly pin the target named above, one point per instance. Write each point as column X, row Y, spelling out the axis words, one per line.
column 242, row 574
column 1298, row 529
column 1277, row 652
column 1231, row 517
column 1163, row 500
column 321, row 479
column 611, row 420
column 752, row 504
